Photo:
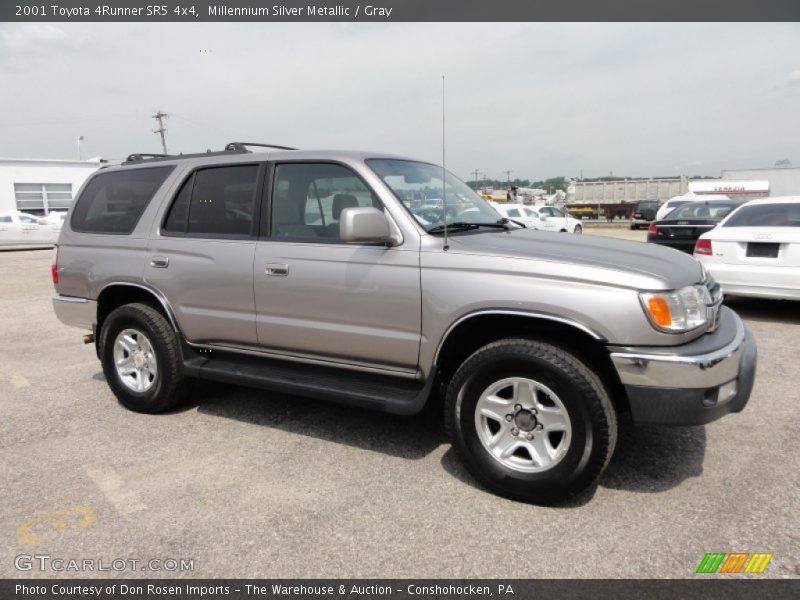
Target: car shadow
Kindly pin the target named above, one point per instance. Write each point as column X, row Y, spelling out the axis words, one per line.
column 763, row 309
column 404, row 437
column 646, row 460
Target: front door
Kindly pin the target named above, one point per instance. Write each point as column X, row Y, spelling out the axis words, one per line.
column 319, row 297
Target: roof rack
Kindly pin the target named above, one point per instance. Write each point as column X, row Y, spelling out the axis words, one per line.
column 231, row 148
column 242, row 146
column 142, row 157
column 139, row 156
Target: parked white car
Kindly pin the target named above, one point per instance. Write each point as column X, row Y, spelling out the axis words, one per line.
column 677, row 201
column 755, row 251
column 547, row 218
column 21, row 229
column 53, row 218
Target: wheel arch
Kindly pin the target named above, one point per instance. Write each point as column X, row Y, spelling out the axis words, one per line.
column 475, row 330
column 114, row 295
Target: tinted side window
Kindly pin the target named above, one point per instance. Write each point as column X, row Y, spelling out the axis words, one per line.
column 513, row 212
column 223, row 201
column 113, row 202
column 179, row 212
column 308, row 199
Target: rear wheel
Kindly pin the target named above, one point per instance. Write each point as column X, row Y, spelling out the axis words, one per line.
column 530, row 420
column 141, row 360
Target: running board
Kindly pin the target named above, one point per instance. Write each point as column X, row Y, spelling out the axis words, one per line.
column 394, row 395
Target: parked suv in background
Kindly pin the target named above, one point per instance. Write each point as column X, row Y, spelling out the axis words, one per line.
column 312, row 273
column 644, row 213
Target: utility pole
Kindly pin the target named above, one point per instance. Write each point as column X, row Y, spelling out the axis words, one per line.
column 161, row 129
column 476, row 177
column 508, row 177
column 80, row 139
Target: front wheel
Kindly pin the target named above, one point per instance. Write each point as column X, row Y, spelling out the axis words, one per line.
column 531, row 421
column 578, row 229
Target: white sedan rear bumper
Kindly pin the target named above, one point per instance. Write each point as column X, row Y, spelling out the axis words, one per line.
column 758, row 281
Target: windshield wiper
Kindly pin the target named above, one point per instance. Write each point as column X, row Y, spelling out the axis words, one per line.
column 464, row 226
column 507, row 220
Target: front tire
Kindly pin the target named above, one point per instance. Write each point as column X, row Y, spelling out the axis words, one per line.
column 531, row 421
column 141, row 360
column 578, row 229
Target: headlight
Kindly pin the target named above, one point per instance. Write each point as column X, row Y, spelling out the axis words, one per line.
column 678, row 311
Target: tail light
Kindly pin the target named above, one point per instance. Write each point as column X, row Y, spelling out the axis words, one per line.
column 652, row 230
column 54, row 266
column 703, row 247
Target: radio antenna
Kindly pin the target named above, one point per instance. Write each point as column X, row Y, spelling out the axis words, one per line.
column 444, row 174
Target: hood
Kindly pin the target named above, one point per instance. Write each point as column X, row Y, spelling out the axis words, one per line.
column 671, row 268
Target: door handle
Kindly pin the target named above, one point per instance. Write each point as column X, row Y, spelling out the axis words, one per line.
column 159, row 262
column 277, row 269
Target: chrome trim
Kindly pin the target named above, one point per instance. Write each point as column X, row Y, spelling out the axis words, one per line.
column 676, row 370
column 158, row 295
column 405, row 374
column 75, row 299
column 74, row 311
column 519, row 313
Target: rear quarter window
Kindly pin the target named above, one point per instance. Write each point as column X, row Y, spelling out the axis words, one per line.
column 113, row 202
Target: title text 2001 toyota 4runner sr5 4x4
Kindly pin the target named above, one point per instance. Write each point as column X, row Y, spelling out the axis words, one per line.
column 332, row 275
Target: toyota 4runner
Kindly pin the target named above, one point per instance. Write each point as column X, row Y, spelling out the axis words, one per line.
column 387, row 283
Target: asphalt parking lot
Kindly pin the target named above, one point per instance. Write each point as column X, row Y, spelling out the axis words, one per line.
column 249, row 484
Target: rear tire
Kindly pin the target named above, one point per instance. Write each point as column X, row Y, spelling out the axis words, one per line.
column 141, row 359
column 530, row 420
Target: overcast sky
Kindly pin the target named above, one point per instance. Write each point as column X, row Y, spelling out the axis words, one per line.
column 539, row 99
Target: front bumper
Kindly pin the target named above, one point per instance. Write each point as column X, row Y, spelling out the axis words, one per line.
column 694, row 383
column 76, row 312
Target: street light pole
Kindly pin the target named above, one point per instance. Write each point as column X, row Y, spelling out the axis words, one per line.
column 80, row 139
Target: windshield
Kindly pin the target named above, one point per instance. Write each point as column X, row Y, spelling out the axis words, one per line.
column 420, row 188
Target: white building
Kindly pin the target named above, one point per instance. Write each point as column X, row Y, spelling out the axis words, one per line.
column 733, row 188
column 783, row 181
column 38, row 185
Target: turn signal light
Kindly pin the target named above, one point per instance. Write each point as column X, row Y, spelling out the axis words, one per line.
column 703, row 247
column 659, row 311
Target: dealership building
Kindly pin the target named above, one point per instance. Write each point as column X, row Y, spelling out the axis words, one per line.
column 39, row 186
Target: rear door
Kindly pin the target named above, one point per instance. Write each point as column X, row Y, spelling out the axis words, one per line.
column 202, row 256
column 319, row 297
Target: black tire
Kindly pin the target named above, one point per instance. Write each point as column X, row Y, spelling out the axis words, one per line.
column 592, row 418
column 169, row 387
column 633, row 227
column 578, row 229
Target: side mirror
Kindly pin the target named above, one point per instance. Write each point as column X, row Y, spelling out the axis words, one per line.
column 364, row 224
column 543, row 217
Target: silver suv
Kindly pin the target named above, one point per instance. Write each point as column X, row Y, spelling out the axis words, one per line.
column 387, row 283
